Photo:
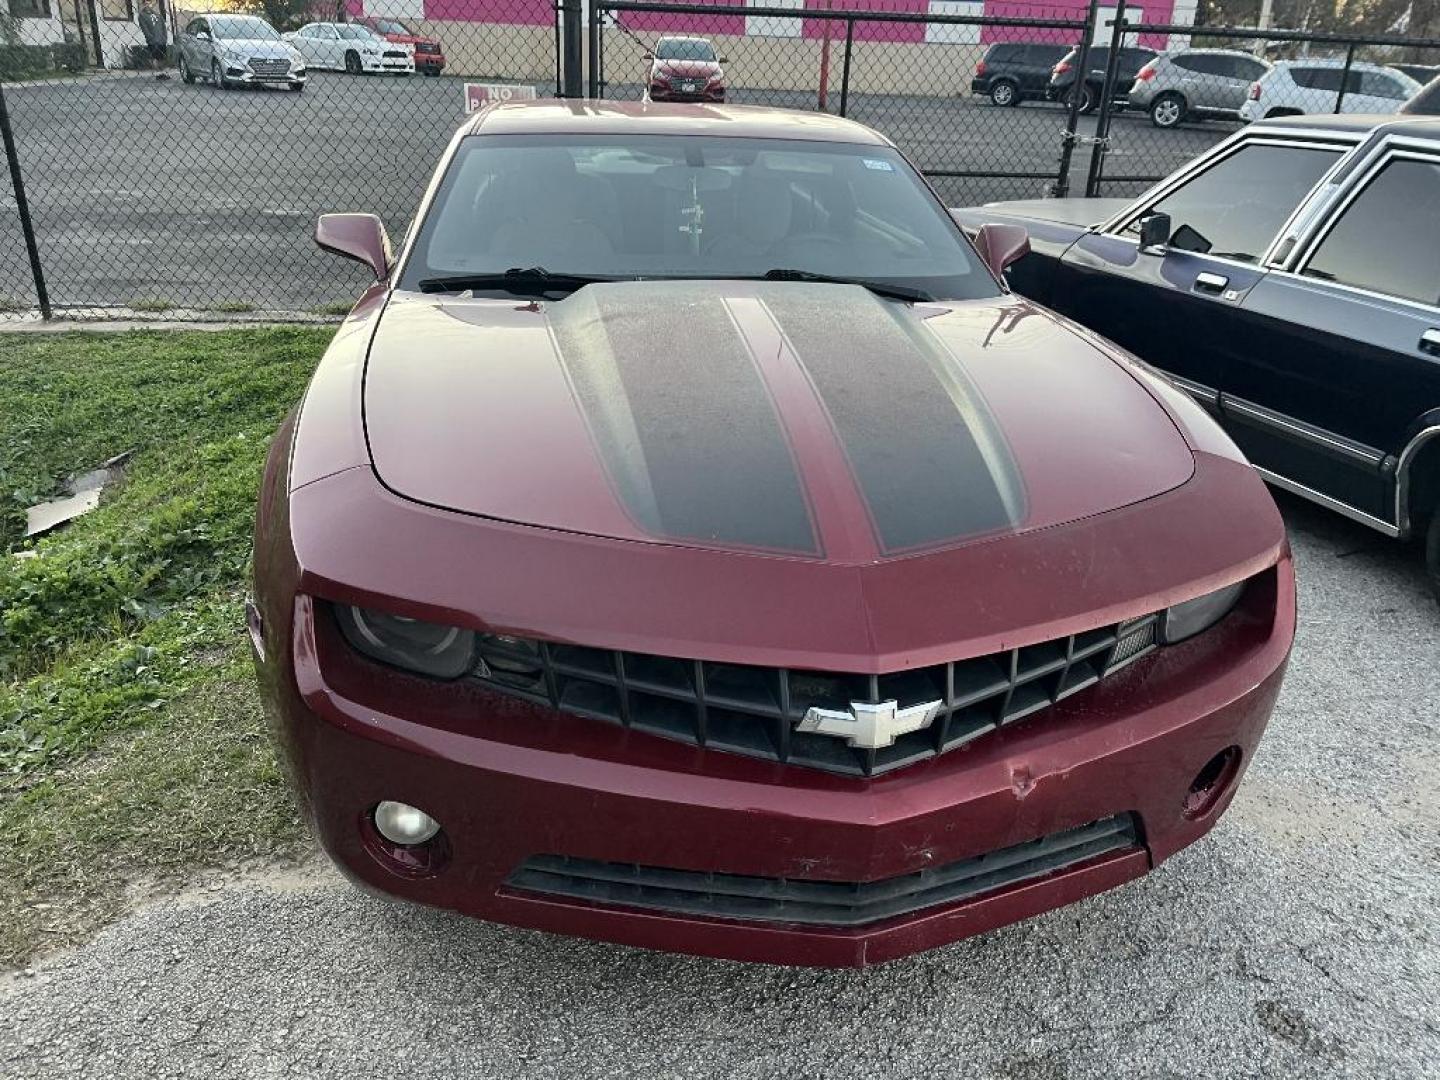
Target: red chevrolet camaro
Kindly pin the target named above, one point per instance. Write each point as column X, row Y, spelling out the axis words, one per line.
column 689, row 541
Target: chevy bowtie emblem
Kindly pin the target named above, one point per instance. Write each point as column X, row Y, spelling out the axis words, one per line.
column 869, row 725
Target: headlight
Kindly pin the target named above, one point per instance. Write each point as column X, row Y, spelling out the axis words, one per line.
column 442, row 652
column 1190, row 618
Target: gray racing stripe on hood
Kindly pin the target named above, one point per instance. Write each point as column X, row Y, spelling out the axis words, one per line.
column 680, row 416
column 928, row 456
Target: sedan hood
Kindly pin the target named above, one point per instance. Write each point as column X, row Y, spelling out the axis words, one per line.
column 1087, row 212
column 687, row 69
column 257, row 48
column 807, row 420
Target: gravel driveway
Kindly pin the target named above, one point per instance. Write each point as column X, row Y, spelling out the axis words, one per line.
column 1298, row 940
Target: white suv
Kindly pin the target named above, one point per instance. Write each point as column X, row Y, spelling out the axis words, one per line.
column 1296, row 87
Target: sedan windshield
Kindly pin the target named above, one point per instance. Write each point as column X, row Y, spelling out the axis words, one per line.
column 684, row 49
column 243, row 28
column 355, row 33
column 681, row 206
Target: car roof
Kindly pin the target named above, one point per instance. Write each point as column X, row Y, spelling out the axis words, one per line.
column 1320, row 62
column 580, row 116
column 1215, row 52
column 1360, row 124
column 683, row 37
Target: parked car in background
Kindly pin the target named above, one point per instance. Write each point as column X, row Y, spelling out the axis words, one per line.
column 763, row 652
column 1015, row 71
column 1421, row 73
column 352, row 48
column 1289, row 281
column 429, row 56
column 1064, row 77
column 1195, row 84
column 1426, row 102
column 1301, row 87
column 685, row 69
column 238, row 50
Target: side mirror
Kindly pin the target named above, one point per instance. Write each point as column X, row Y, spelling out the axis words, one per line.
column 1001, row 245
column 356, row 236
column 648, row 56
column 723, row 60
column 1154, row 233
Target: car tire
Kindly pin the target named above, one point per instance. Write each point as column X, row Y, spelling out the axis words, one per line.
column 217, row 80
column 352, row 63
column 1432, row 552
column 297, row 88
column 186, row 75
column 1004, row 93
column 1167, row 111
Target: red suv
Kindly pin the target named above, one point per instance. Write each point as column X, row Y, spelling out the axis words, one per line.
column 429, row 57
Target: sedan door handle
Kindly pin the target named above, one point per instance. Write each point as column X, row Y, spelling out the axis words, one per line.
column 1430, row 342
column 1211, row 283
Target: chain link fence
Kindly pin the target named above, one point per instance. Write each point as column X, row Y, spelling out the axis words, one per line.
column 178, row 172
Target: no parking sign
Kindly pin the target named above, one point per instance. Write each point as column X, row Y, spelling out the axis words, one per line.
column 478, row 95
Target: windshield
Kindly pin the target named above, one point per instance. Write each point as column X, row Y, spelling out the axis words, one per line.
column 389, row 26
column 682, row 206
column 243, row 28
column 684, row 49
column 355, row 33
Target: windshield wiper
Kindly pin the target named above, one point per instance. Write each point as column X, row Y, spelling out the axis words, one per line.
column 536, row 281
column 879, row 288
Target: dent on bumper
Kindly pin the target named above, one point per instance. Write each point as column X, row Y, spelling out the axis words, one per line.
column 1131, row 746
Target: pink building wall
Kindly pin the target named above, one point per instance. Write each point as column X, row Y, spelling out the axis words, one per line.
column 541, row 13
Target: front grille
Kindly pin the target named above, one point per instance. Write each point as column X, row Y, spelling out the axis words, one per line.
column 270, row 67
column 755, row 710
column 394, row 54
column 820, row 903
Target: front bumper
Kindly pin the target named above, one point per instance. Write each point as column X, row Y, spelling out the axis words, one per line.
column 510, row 782
column 244, row 76
column 373, row 65
column 713, row 96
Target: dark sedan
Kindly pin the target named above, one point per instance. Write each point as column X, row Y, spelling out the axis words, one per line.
column 689, row 541
column 1289, row 279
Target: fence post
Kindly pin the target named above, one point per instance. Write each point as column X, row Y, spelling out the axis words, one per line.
column 594, row 42
column 1345, row 76
column 1107, row 98
column 574, row 75
column 23, row 206
column 845, row 68
column 559, row 62
column 1072, row 114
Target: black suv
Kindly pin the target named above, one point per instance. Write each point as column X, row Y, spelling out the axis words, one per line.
column 1016, row 71
column 1062, row 76
column 1289, row 280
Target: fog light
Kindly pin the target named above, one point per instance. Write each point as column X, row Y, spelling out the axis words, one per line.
column 403, row 824
column 1212, row 782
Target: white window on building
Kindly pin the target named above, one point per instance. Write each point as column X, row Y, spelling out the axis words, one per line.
column 954, row 33
column 116, row 10
column 778, row 26
column 1106, row 15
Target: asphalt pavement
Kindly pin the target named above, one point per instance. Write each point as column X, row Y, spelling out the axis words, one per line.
column 195, row 198
column 1297, row 940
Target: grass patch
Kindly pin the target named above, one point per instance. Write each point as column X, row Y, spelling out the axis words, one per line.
column 336, row 310
column 234, row 307
column 10, row 304
column 124, row 681
column 155, row 305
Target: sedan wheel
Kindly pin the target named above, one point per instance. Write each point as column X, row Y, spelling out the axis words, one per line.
column 1167, row 111
column 217, row 80
column 1003, row 93
column 352, row 63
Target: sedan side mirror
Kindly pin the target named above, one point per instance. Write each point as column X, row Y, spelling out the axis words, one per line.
column 1001, row 245
column 723, row 60
column 356, row 236
column 203, row 35
column 648, row 56
column 1154, row 233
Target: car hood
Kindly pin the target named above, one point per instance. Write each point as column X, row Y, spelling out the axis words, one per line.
column 687, row 69
column 1086, row 212
column 795, row 419
column 258, row 48
column 408, row 39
